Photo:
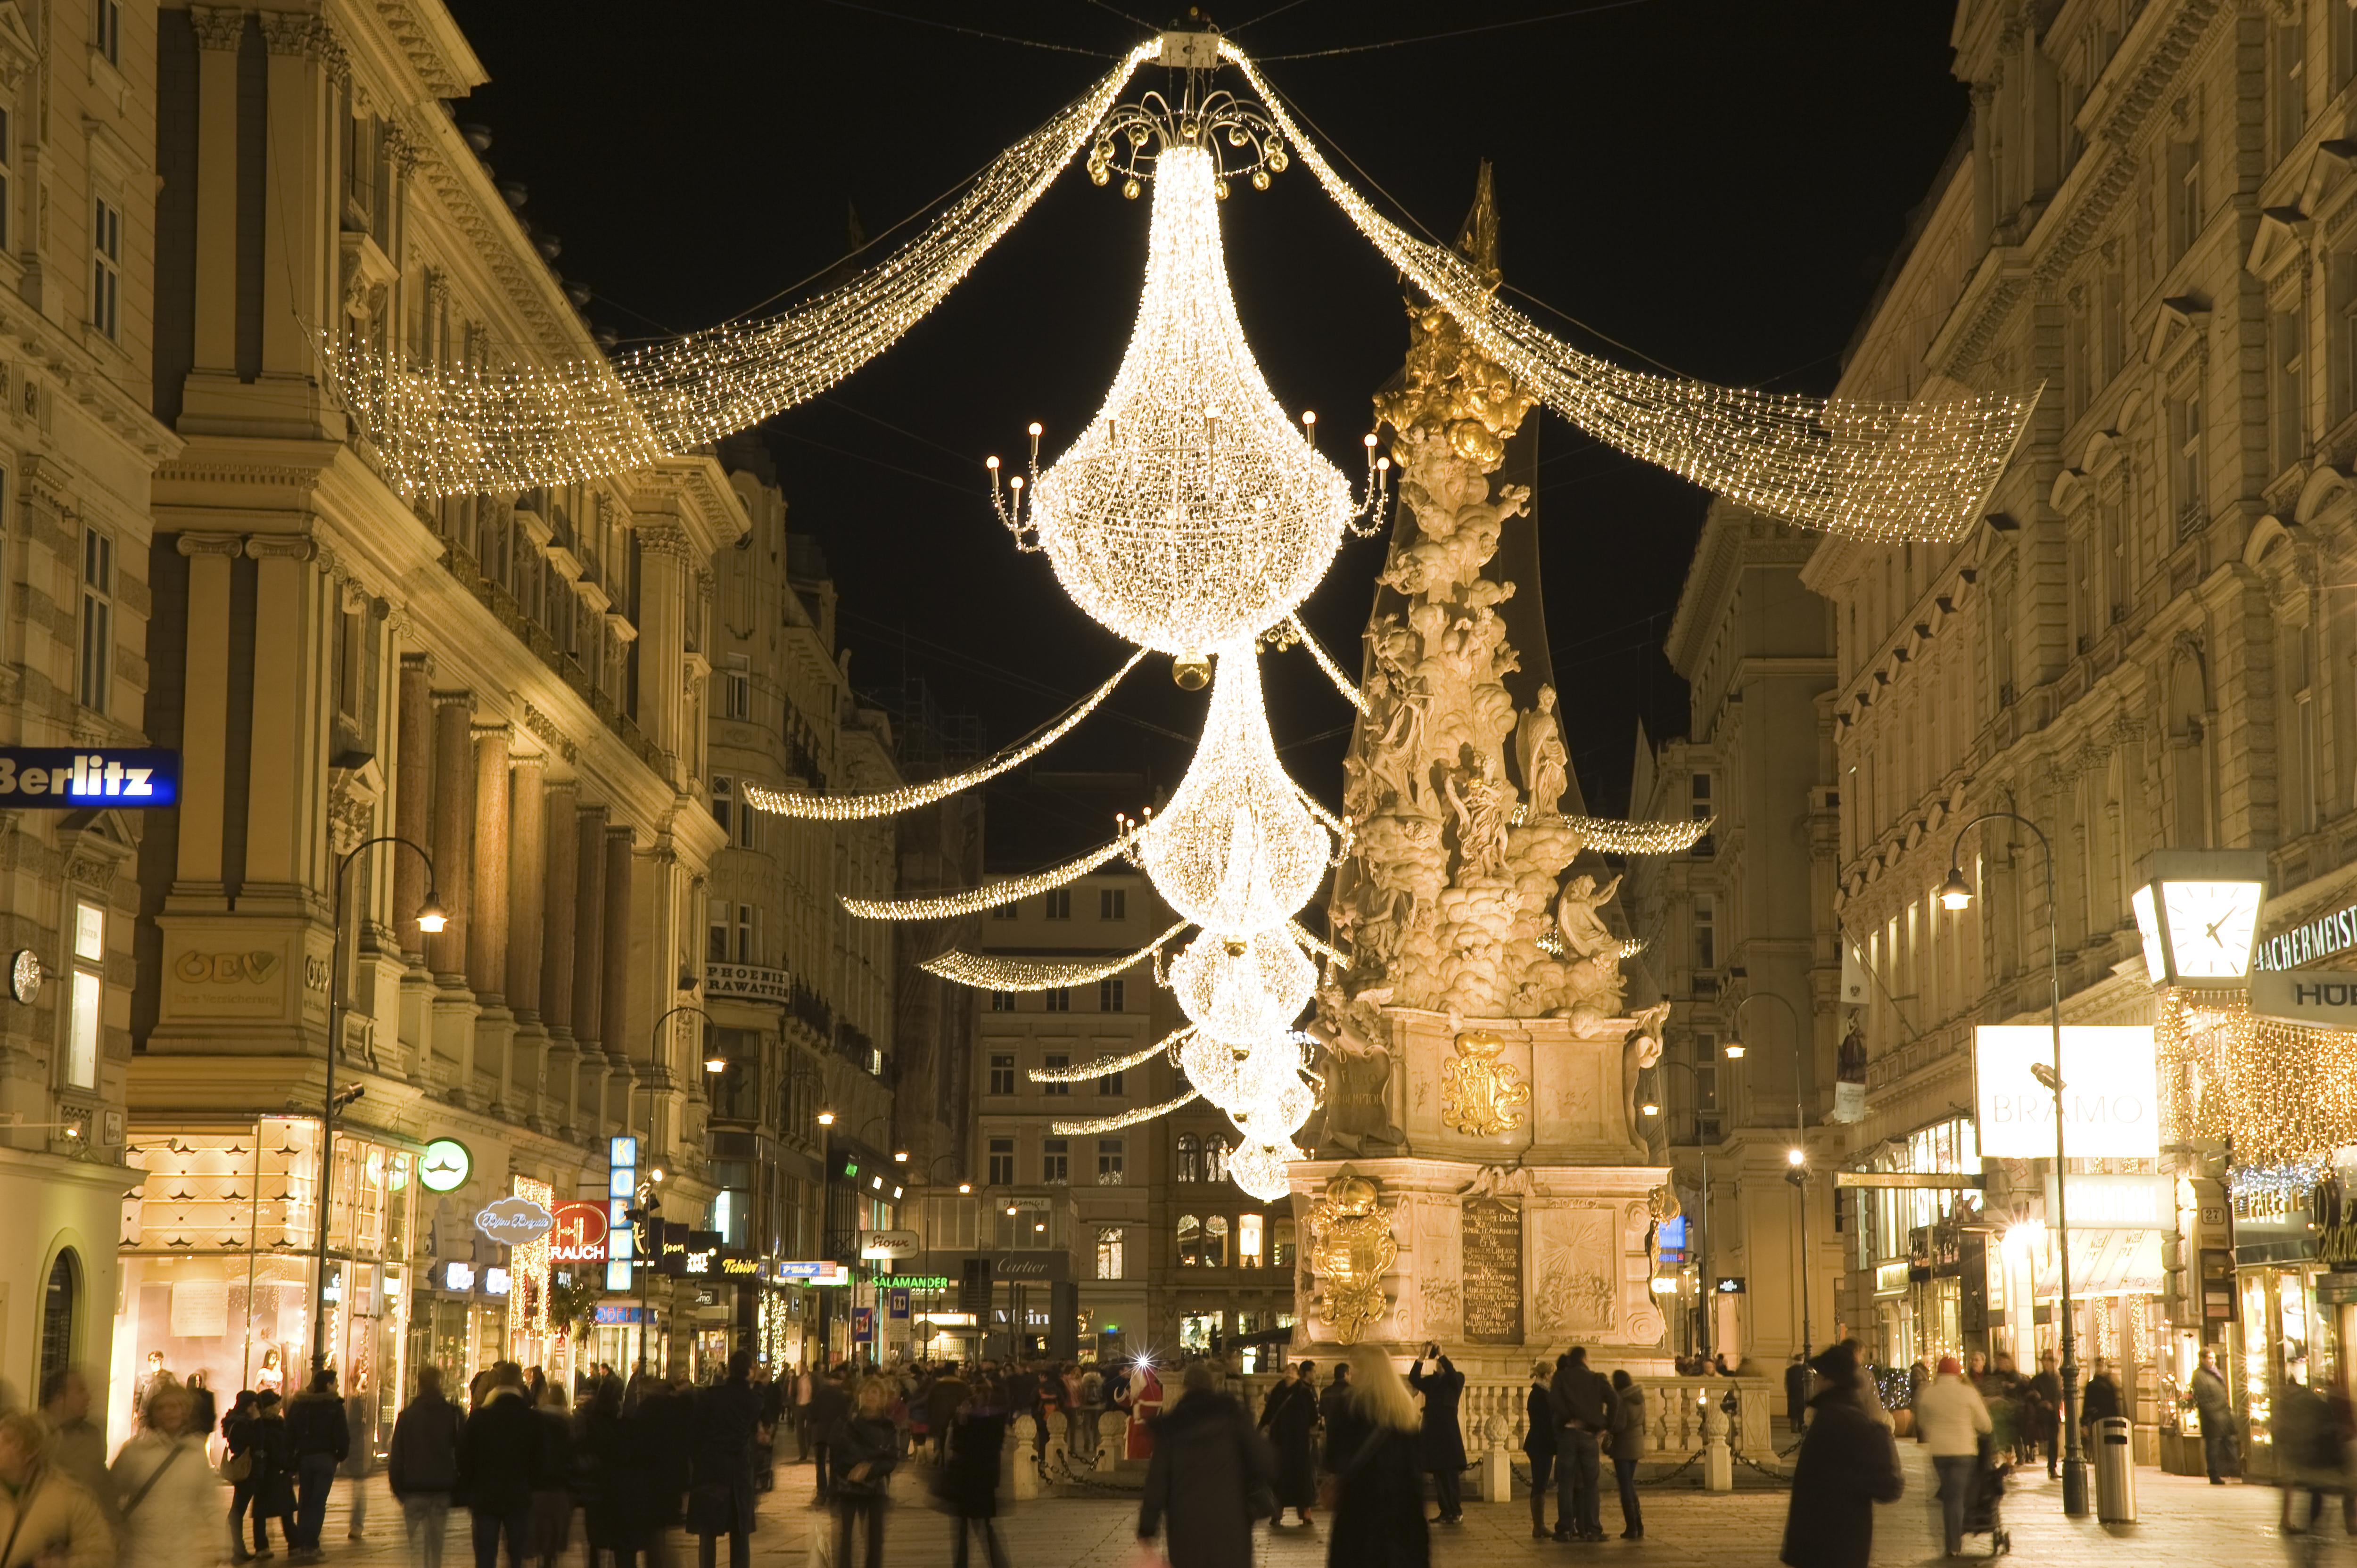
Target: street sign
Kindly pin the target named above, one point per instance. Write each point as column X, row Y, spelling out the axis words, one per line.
column 118, row 777
column 896, row 1305
column 1729, row 1285
column 863, row 1323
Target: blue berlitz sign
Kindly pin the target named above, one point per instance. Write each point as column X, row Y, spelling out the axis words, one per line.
column 123, row 778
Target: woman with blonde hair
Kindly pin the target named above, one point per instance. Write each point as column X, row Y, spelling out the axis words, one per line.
column 163, row 1490
column 1378, row 1520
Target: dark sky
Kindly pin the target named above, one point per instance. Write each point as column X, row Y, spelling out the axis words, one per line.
column 1716, row 183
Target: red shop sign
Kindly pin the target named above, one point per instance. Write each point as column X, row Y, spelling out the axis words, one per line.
column 580, row 1234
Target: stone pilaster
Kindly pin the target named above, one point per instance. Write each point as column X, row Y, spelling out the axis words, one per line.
column 615, row 977
column 453, row 821
column 412, row 794
column 527, row 890
column 487, row 927
column 589, row 961
column 563, row 854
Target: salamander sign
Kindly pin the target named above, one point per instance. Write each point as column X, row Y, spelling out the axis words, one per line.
column 120, row 777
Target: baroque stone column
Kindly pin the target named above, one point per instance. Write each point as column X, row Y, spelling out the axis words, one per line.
column 590, row 961
column 412, row 794
column 486, row 931
column 453, row 1043
column 615, row 980
column 564, row 859
column 527, row 891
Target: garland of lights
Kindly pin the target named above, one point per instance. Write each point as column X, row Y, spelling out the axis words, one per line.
column 908, row 797
column 1881, row 471
column 1342, row 683
column 2285, row 1093
column 973, row 900
column 1615, row 837
column 1119, row 1119
column 1099, row 1065
column 1324, row 949
column 985, row 972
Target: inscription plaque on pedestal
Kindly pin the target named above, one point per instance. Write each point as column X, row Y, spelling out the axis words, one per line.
column 1492, row 1271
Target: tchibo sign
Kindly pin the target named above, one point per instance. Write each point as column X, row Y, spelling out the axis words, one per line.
column 2111, row 1092
column 118, row 776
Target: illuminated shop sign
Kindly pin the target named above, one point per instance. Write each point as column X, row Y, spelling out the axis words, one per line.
column 122, row 776
column 2336, row 932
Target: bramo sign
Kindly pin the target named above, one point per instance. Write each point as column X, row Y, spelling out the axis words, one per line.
column 2111, row 1092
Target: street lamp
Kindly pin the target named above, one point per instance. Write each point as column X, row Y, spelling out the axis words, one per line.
column 1956, row 894
column 654, row 1060
column 431, row 919
column 1705, row 1293
column 1796, row 1160
column 1798, row 1155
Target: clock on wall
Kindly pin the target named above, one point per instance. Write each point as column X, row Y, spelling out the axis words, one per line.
column 25, row 975
column 2199, row 916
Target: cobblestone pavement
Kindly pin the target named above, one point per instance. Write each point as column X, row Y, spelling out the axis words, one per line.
column 2184, row 1524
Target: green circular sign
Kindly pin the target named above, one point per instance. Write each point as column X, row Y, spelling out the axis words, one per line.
column 445, row 1165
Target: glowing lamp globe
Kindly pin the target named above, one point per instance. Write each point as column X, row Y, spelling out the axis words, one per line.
column 1190, row 513
column 1242, row 988
column 1235, row 851
column 1259, row 1169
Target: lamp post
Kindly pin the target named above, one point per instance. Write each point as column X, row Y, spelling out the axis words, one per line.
column 1797, row 1157
column 826, row 1217
column 431, row 919
column 1957, row 894
column 647, row 1265
column 1708, row 1290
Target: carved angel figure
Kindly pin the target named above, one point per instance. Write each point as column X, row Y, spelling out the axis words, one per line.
column 1585, row 934
column 1478, row 798
column 1539, row 752
column 1638, row 1054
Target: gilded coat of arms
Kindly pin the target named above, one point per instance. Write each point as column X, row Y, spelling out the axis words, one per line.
column 1477, row 1091
column 1351, row 1249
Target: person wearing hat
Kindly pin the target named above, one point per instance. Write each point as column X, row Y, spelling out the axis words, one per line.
column 1848, row 1463
column 1951, row 1416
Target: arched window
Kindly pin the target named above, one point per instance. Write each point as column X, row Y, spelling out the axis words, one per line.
column 1215, row 1158
column 1191, row 1157
column 1190, row 1240
column 1280, row 1249
column 58, row 1305
column 1215, row 1237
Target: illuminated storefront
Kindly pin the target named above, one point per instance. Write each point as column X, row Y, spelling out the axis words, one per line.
column 1912, row 1248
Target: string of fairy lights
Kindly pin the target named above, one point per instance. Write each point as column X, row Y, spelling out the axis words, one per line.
column 991, row 972
column 1098, row 1067
column 2280, row 1089
column 991, row 896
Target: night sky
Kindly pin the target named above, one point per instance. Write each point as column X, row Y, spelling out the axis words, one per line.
column 1717, row 184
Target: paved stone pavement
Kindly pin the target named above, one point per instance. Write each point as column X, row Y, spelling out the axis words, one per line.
column 2184, row 1524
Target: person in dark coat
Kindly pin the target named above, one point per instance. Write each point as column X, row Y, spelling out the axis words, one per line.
column 501, row 1456
column 828, row 1406
column 1379, row 1495
column 320, row 1438
column 1344, row 1428
column 2099, row 1401
column 1582, row 1400
column 1444, row 1439
column 255, row 1432
column 617, row 1505
column 1209, row 1477
column 422, row 1466
column 1848, row 1463
column 552, row 1496
column 968, row 1485
column 865, row 1446
column 720, row 1489
column 1289, row 1417
column 1538, row 1443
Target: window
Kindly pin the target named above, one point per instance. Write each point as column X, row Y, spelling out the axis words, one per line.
column 1280, row 1244
column 97, row 618
column 1059, row 999
column 1109, row 1251
column 2290, row 356
column 105, row 266
column 1002, row 1072
column 1215, row 1241
column 1705, row 932
column 1215, row 1159
column 1113, row 902
column 1004, row 912
column 717, row 951
column 1108, row 995
column 1191, row 1240
column 749, row 947
column 8, row 173
column 737, row 690
column 1112, row 1084
column 2190, row 495
column 1108, row 1153
column 106, row 30
column 1703, row 846
column 1191, row 1157
column 1002, row 1162
column 1056, row 1162
column 1002, row 1002
column 1055, row 1064
column 2185, row 208
column 89, row 998
column 2289, row 89
column 1248, row 1233
column 724, row 794
column 1059, row 904
column 60, row 1307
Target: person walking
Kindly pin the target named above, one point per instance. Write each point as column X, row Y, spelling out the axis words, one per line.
column 321, row 1439
column 1538, row 1444
column 77, row 1447
column 765, row 1438
column 1444, row 1438
column 1953, row 1416
column 1378, row 1515
column 967, row 1486
column 1088, row 1415
column 1628, row 1439
column 948, row 1395
column 1796, row 1390
column 865, row 1447
column 422, row 1466
column 1289, row 1418
column 1344, row 1429
column 827, row 1406
column 720, row 1489
column 552, row 1492
column 161, row 1487
column 47, row 1520
column 1848, row 1463
column 256, row 1442
column 500, row 1462
column 1209, row 1477
column 360, row 1423
column 2216, row 1408
column 1582, row 1401
column 2044, row 1405
column 617, row 1487
column 805, row 1384
column 2099, row 1401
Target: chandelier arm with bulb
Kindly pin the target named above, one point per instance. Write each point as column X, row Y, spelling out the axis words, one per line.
column 1882, row 471
column 1119, row 1119
column 477, row 428
column 1097, row 1067
column 908, row 797
column 1342, row 683
column 991, row 896
column 985, row 972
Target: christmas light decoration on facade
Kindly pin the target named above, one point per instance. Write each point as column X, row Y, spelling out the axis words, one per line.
column 1120, row 1119
column 990, row 896
column 984, row 972
column 1189, row 514
column 1342, row 683
column 1097, row 1067
column 1615, row 837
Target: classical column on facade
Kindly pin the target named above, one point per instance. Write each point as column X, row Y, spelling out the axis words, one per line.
column 486, row 931
column 560, row 891
column 446, row 951
column 590, row 966
column 527, row 903
column 614, row 979
column 412, row 793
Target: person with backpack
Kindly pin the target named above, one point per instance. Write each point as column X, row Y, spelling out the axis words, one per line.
column 423, row 1466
